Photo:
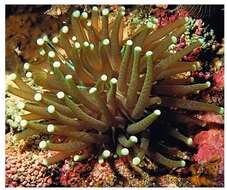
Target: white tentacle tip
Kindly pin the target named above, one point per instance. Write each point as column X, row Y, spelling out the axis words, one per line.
column 208, row 83
column 149, row 53
column 124, row 151
column 100, row 160
column 92, row 90
column 26, row 66
column 65, row 29
column 122, row 8
column 38, row 97
column 105, row 12
column 77, row 45
column 40, row 41
column 28, row 74
column 138, row 49
column 106, row 154
column 20, row 105
column 86, row 44
column 133, row 139
column 106, row 42
column 76, row 158
column 157, row 112
column 56, row 64
column 23, row 123
column 51, row 54
column 51, row 109
column 221, row 110
column 129, row 42
column 84, row 15
column 104, row 77
column 113, row 81
column 122, row 13
column 95, row 8
column 92, row 46
column 50, row 128
column 68, row 77
column 189, row 141
column 43, row 145
column 60, row 95
column 74, row 38
column 55, row 40
column 182, row 163
column 136, row 161
column 76, row 14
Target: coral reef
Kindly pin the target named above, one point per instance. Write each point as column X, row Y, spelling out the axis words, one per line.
column 102, row 176
column 133, row 176
column 173, row 181
column 24, row 169
column 71, row 173
column 109, row 98
column 12, row 114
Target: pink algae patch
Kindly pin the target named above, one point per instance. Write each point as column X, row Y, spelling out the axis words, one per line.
column 219, row 78
column 210, row 145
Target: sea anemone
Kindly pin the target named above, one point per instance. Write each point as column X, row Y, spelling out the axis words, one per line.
column 103, row 89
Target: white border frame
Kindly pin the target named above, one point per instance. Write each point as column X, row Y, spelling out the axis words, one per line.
column 2, row 62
